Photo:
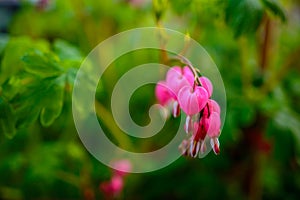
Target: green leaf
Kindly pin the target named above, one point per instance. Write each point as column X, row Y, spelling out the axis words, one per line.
column 275, row 8
column 43, row 65
column 244, row 16
column 289, row 120
column 7, row 119
column 40, row 95
column 14, row 51
column 53, row 106
column 66, row 51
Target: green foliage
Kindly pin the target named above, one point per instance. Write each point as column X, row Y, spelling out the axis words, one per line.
column 7, row 119
column 41, row 156
column 245, row 16
column 36, row 84
column 275, row 8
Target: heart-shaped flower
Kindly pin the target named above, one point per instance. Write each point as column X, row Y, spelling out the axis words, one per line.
column 162, row 93
column 177, row 78
column 214, row 106
column 192, row 101
column 214, row 125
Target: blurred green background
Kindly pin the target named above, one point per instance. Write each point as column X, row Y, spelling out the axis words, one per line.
column 255, row 44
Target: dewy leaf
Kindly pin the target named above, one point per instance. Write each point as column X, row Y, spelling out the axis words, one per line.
column 244, row 16
column 52, row 106
column 275, row 8
column 7, row 119
column 40, row 64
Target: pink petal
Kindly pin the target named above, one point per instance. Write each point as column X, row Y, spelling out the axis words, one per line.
column 206, row 83
column 176, row 80
column 200, row 129
column 112, row 187
column 202, row 96
column 215, row 144
column 214, row 106
column 162, row 93
column 116, row 184
column 188, row 74
column 122, row 167
column 214, row 125
column 192, row 102
column 188, row 127
column 176, row 109
column 188, row 100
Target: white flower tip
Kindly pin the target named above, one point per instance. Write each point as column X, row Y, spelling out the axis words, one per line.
column 215, row 144
column 176, row 109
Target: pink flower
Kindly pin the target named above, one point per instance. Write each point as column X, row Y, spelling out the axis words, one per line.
column 167, row 91
column 214, row 106
column 177, row 78
column 214, row 131
column 162, row 93
column 192, row 101
column 182, row 91
column 122, row 167
column 113, row 187
column 199, row 133
column 205, row 82
column 208, row 125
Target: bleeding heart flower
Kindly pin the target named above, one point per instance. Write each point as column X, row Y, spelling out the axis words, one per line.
column 162, row 93
column 205, row 82
column 214, row 131
column 214, row 106
column 182, row 91
column 214, row 125
column 113, row 187
column 177, row 78
column 192, row 101
column 122, row 167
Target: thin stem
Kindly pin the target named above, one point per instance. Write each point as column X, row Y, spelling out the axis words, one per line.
column 107, row 119
column 195, row 71
column 266, row 44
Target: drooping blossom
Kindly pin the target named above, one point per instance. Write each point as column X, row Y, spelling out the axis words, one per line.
column 214, row 131
column 114, row 186
column 192, row 101
column 167, row 91
column 186, row 90
column 206, row 83
column 121, row 167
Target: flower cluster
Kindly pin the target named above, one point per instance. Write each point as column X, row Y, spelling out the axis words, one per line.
column 114, row 186
column 184, row 89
